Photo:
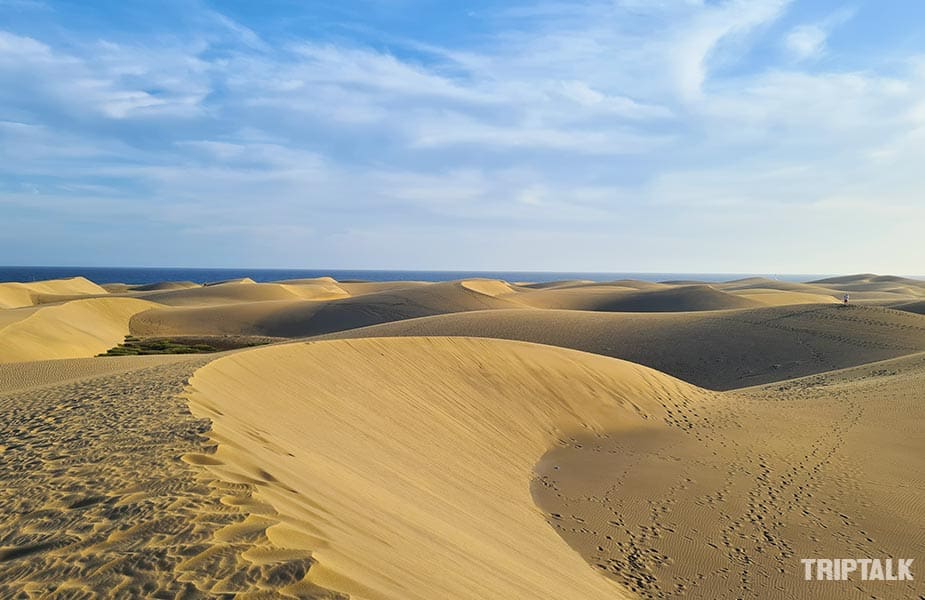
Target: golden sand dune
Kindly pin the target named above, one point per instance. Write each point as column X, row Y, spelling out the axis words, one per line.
column 489, row 287
column 917, row 307
column 405, row 465
column 14, row 295
column 236, row 281
column 875, row 287
column 222, row 293
column 717, row 350
column 726, row 503
column 419, row 456
column 359, row 288
column 771, row 284
column 74, row 329
column 556, row 284
column 771, row 297
column 620, row 298
column 243, row 291
column 462, row 467
column 305, row 318
column 273, row 309
column 163, row 286
column 317, row 290
column 870, row 279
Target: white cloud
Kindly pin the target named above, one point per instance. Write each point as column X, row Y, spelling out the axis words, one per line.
column 572, row 123
column 806, row 41
column 699, row 43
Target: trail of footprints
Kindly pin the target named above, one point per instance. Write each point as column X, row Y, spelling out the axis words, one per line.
column 635, row 545
column 98, row 503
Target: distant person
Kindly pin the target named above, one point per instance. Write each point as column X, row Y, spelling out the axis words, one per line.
column 845, row 299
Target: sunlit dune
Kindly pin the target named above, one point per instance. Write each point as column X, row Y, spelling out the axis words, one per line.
column 461, row 439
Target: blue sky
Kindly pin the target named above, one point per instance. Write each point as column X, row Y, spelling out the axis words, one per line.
column 629, row 135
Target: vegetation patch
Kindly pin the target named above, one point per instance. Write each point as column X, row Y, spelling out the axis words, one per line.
column 133, row 346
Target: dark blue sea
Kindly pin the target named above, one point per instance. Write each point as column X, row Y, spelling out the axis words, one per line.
column 136, row 275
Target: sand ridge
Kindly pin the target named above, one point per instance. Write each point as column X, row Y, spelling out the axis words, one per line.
column 666, row 488
column 15, row 295
column 713, row 349
column 421, row 448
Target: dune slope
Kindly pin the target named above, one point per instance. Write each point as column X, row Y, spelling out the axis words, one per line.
column 717, row 350
column 826, row 466
column 74, row 329
column 621, row 298
column 300, row 318
column 405, row 464
column 15, row 295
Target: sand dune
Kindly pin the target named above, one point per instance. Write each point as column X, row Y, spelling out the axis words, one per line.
column 305, row 318
column 224, row 293
column 621, row 298
column 726, row 503
column 869, row 287
column 556, row 284
column 416, row 482
column 762, row 283
column 320, row 289
column 14, row 295
column 380, row 461
column 412, row 456
column 74, row 329
column 359, row 288
column 164, row 286
column 489, row 287
column 863, row 288
column 717, row 350
column 913, row 307
column 870, row 279
column 236, row 281
column 770, row 297
column 243, row 291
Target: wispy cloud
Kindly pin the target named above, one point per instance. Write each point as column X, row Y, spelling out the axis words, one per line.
column 600, row 123
column 808, row 40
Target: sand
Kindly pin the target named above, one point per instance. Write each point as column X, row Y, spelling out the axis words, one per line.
column 719, row 350
column 15, row 295
column 467, row 439
column 828, row 466
column 70, row 330
column 100, row 501
column 419, row 448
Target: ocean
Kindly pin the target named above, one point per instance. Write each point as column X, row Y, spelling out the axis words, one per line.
column 138, row 275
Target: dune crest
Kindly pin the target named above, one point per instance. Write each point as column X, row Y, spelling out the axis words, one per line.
column 489, row 287
column 16, row 295
column 405, row 465
column 719, row 350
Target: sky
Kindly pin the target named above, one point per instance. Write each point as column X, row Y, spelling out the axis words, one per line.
column 742, row 136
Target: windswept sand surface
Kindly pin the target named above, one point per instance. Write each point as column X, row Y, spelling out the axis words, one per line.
column 715, row 349
column 99, row 499
column 470, row 439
